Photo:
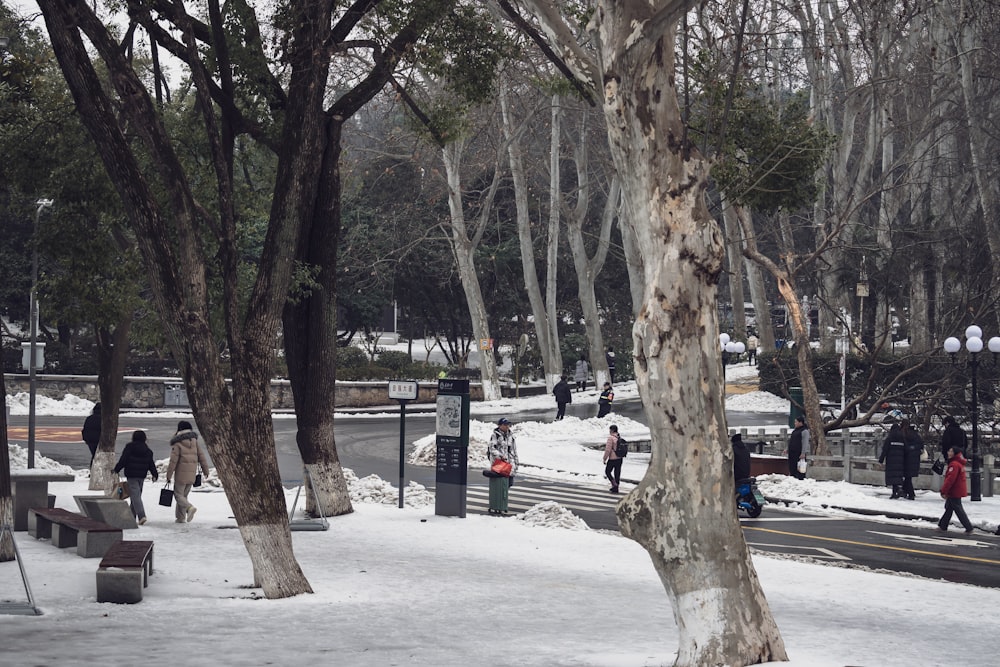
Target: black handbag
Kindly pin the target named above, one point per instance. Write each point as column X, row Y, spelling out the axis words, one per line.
column 166, row 496
column 197, row 480
column 938, row 467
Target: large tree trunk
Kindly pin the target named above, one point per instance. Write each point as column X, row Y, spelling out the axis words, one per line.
column 237, row 426
column 543, row 312
column 682, row 511
column 464, row 248
column 112, row 352
column 309, row 324
column 587, row 267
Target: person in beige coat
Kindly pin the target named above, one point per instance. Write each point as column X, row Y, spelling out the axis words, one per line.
column 185, row 457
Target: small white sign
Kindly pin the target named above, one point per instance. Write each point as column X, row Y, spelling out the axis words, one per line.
column 403, row 389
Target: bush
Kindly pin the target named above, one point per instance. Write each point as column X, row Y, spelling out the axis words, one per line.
column 350, row 357
column 395, row 359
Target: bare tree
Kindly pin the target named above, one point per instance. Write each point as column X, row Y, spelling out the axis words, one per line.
column 681, row 511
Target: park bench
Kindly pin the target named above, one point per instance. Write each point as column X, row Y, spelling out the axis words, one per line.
column 124, row 572
column 91, row 538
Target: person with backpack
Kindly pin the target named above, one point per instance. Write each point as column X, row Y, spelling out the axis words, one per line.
column 605, row 400
column 563, row 396
column 615, row 451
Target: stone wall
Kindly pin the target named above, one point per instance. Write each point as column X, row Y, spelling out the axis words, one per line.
column 148, row 392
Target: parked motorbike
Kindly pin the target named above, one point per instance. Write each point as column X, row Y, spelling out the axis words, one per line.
column 749, row 498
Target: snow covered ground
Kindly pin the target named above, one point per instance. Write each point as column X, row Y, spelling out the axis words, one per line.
column 405, row 587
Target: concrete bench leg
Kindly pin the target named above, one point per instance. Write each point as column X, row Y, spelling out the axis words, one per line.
column 39, row 527
column 120, row 585
column 95, row 545
column 63, row 536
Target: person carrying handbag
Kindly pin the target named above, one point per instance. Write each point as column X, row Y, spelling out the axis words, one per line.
column 137, row 461
column 501, row 449
column 185, row 457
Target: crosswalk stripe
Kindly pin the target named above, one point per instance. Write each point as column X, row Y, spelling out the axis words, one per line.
column 531, row 497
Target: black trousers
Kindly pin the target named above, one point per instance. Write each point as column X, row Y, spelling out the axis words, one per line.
column 954, row 505
column 613, row 471
column 793, row 463
column 561, row 410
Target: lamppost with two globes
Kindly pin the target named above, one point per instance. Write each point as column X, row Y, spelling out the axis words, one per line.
column 974, row 345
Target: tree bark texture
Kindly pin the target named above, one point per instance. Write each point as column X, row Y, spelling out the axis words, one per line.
column 682, row 511
column 464, row 248
column 236, row 426
column 546, row 329
column 112, row 352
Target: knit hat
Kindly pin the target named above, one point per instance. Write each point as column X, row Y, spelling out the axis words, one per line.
column 139, row 436
column 184, row 426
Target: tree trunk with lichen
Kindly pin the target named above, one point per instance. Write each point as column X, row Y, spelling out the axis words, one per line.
column 682, row 511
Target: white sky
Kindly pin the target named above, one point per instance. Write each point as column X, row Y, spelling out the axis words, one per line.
column 403, row 586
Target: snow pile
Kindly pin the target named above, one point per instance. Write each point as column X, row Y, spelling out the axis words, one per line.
column 551, row 514
column 69, row 406
column 374, row 489
column 19, row 459
column 757, row 401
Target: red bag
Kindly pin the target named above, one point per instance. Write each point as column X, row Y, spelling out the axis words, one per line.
column 501, row 467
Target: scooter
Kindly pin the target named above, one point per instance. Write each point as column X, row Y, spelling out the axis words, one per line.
column 749, row 498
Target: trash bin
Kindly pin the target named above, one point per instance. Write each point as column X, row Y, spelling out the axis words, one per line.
column 795, row 409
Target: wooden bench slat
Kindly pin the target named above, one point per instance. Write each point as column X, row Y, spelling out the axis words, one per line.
column 131, row 553
column 73, row 520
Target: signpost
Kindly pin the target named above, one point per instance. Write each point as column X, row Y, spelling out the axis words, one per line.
column 402, row 391
column 452, row 476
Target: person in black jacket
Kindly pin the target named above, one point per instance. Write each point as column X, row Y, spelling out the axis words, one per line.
column 953, row 436
column 563, row 396
column 798, row 447
column 913, row 447
column 91, row 432
column 741, row 459
column 605, row 400
column 137, row 460
column 892, row 456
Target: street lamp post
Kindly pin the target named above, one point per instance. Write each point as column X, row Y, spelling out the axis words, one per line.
column 974, row 345
column 729, row 346
column 33, row 351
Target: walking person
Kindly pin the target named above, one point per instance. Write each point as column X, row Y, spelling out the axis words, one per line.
column 580, row 374
column 137, row 461
column 752, row 344
column 502, row 447
column 953, row 489
column 609, row 356
column 563, row 396
column 894, row 457
column 913, row 447
column 185, row 457
column 605, row 400
column 91, row 432
column 798, row 447
column 953, row 436
column 612, row 462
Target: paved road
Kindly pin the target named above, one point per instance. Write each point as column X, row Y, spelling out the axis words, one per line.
column 370, row 445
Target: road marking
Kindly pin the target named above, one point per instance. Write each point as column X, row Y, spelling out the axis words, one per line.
column 823, row 553
column 51, row 433
column 937, row 540
column 877, row 546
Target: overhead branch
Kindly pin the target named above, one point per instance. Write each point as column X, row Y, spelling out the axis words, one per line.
column 585, row 89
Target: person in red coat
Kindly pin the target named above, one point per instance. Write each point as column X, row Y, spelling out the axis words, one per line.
column 953, row 489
